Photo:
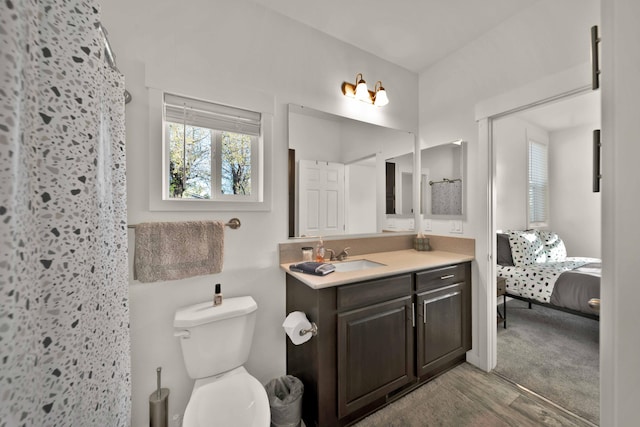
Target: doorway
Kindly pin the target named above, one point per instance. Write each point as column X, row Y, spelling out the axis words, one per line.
column 535, row 349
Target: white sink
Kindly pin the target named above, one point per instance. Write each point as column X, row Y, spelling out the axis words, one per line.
column 356, row 264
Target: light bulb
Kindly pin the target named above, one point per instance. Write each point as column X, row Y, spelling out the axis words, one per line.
column 362, row 92
column 381, row 98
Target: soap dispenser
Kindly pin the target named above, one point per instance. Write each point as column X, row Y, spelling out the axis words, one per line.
column 320, row 251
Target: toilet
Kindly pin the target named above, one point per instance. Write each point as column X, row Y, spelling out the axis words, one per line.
column 215, row 344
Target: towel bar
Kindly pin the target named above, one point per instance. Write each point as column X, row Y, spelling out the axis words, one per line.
column 234, row 223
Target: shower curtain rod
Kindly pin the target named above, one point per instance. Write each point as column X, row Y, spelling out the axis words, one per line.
column 445, row 180
column 111, row 58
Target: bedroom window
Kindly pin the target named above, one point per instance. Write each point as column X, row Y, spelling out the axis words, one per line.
column 212, row 151
column 538, row 184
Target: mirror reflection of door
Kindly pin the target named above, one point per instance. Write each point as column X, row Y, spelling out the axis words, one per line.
column 407, row 193
column 321, row 198
column 390, row 188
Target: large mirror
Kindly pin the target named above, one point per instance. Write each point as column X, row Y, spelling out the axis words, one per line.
column 338, row 175
column 399, row 185
column 443, row 181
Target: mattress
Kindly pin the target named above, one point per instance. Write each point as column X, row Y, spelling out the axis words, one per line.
column 567, row 284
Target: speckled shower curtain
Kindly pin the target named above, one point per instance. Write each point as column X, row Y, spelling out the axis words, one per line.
column 64, row 316
column 446, row 198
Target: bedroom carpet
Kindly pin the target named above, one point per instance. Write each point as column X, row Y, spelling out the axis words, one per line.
column 554, row 354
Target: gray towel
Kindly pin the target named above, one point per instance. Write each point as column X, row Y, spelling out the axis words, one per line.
column 177, row 250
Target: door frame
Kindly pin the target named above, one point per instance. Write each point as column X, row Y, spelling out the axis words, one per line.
column 571, row 82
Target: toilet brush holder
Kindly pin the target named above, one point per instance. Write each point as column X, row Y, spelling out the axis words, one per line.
column 159, row 404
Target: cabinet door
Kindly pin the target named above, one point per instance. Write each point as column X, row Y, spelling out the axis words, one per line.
column 441, row 326
column 375, row 352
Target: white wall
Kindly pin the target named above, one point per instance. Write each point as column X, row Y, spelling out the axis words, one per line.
column 510, row 138
column 510, row 142
column 361, row 199
column 314, row 138
column 575, row 208
column 226, row 47
column 619, row 316
column 545, row 39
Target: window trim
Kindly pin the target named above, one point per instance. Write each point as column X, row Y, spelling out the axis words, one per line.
column 159, row 152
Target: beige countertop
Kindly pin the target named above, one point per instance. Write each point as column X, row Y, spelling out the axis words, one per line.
column 395, row 262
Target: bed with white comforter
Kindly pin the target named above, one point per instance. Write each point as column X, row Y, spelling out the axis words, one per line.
column 536, row 268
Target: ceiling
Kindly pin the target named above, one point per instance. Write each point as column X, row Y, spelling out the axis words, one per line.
column 579, row 110
column 413, row 34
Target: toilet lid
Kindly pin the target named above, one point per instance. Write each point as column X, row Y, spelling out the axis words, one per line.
column 233, row 400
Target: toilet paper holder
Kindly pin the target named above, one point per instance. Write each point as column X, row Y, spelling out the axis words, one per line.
column 313, row 329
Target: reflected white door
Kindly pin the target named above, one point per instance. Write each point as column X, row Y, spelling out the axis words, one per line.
column 321, row 198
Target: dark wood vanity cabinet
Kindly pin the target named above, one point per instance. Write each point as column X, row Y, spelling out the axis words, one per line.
column 375, row 353
column 443, row 326
column 373, row 343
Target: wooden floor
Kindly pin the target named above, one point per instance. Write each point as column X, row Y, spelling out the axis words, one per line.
column 467, row 396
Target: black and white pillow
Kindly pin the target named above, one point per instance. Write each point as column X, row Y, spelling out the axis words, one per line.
column 504, row 250
column 526, row 247
column 553, row 246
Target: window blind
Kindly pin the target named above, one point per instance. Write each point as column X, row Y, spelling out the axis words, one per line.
column 178, row 109
column 538, row 182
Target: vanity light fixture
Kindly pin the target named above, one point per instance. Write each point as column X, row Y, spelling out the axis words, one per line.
column 360, row 92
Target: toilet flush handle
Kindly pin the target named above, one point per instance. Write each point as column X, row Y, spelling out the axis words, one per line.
column 185, row 334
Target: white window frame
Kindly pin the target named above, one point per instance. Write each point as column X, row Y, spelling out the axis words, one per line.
column 158, row 152
column 533, row 223
column 218, row 119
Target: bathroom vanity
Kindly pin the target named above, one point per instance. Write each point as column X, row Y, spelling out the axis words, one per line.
column 382, row 331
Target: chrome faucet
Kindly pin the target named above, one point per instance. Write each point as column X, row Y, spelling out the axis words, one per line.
column 332, row 256
column 343, row 255
column 340, row 257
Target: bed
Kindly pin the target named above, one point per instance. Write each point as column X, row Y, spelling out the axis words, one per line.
column 537, row 269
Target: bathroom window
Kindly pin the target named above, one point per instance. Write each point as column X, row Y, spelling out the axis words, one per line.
column 212, row 151
column 538, row 184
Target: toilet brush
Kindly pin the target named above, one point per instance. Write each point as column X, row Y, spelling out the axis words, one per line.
column 159, row 405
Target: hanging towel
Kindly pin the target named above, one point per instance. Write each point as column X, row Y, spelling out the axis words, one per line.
column 446, row 198
column 177, row 250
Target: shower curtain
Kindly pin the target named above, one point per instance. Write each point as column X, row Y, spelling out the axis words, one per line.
column 446, row 198
column 64, row 314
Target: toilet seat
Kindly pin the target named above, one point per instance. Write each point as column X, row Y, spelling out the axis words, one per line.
column 231, row 399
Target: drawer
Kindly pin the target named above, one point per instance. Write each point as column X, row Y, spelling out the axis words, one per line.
column 373, row 291
column 438, row 277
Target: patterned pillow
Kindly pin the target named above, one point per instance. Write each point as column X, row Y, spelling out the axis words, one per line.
column 553, row 246
column 504, row 250
column 526, row 247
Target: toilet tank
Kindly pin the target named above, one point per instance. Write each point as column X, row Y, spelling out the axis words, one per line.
column 218, row 338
